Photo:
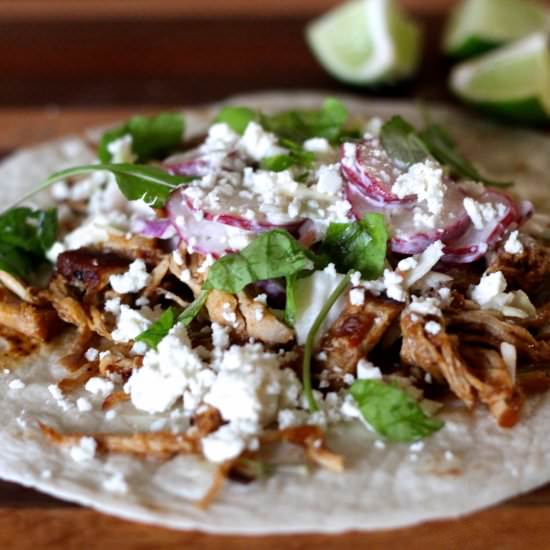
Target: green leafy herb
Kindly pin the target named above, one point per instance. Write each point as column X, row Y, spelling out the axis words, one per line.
column 159, row 329
column 31, row 230
column 193, row 309
column 25, row 237
column 391, row 412
column 443, row 149
column 359, row 246
column 16, row 261
column 300, row 125
column 290, row 304
column 237, row 118
column 297, row 156
column 270, row 255
column 310, row 341
column 402, row 143
column 136, row 181
column 153, row 137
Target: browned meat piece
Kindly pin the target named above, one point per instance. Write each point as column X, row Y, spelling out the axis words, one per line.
column 135, row 247
column 261, row 323
column 490, row 329
column 354, row 334
column 528, row 271
column 88, row 268
column 487, row 377
column 223, row 308
column 33, row 321
column 68, row 308
column 437, row 354
column 206, row 421
column 493, row 383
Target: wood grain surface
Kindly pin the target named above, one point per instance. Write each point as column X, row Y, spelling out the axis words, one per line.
column 68, row 70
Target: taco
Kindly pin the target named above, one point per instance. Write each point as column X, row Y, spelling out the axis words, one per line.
column 283, row 313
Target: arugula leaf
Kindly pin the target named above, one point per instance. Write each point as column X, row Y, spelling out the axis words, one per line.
column 402, row 143
column 159, row 329
column 136, row 181
column 300, row 125
column 237, row 118
column 310, row 341
column 290, row 303
column 391, row 412
column 31, row 230
column 359, row 246
column 270, row 255
column 152, row 137
column 443, row 149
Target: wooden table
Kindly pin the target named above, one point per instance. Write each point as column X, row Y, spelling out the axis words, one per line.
column 64, row 74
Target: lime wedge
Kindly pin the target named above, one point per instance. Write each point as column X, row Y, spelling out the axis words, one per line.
column 512, row 82
column 476, row 26
column 365, row 42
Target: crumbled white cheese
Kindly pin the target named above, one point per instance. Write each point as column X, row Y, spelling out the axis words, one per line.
column 121, row 150
column 425, row 306
column 221, row 138
column 357, row 296
column 98, row 385
column 16, row 384
column 289, row 418
column 167, row 373
column 367, row 371
column 482, row 214
column 83, row 405
column 259, row 144
column 509, row 355
column 426, row 181
column 394, row 286
column 225, row 443
column 329, row 180
column 91, row 354
column 132, row 322
column 513, row 245
column 311, row 294
column 57, row 394
column 84, row 451
column 490, row 294
column 432, row 327
column 135, row 279
column 317, row 145
column 110, row 415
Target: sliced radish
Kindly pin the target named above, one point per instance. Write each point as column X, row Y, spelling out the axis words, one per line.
column 410, row 236
column 370, row 168
column 474, row 243
column 203, row 235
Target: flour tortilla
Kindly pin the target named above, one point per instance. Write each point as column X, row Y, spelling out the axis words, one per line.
column 471, row 463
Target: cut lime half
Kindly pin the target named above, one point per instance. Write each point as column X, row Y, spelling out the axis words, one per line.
column 476, row 26
column 512, row 82
column 365, row 42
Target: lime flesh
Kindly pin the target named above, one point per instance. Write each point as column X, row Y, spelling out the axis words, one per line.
column 480, row 25
column 512, row 82
column 365, row 42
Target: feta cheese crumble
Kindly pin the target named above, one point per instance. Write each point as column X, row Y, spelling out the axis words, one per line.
column 134, row 280
column 482, row 214
column 84, row 451
column 513, row 245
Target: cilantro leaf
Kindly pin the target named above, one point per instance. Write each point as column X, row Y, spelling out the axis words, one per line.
column 444, row 150
column 402, row 143
column 153, row 137
column 270, row 255
column 31, row 230
column 193, row 309
column 159, row 329
column 237, row 118
column 391, row 412
column 359, row 246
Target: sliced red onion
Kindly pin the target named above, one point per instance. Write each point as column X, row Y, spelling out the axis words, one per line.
column 156, row 228
column 407, row 238
column 371, row 169
column 203, row 235
column 275, row 290
column 474, row 243
column 194, row 167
